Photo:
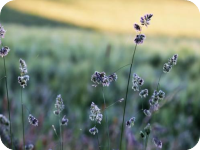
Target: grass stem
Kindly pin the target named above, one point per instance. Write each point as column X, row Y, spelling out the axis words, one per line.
column 122, row 126
column 61, row 139
column 22, row 105
column 8, row 101
column 106, row 118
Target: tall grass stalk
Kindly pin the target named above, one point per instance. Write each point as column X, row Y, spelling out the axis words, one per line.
column 22, row 106
column 122, row 126
column 98, row 141
column 106, row 116
column 61, row 134
column 98, row 138
column 8, row 101
column 146, row 142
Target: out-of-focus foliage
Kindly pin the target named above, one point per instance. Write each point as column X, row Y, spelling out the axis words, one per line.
column 61, row 60
column 118, row 15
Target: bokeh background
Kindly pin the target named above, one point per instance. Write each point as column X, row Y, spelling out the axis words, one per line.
column 64, row 41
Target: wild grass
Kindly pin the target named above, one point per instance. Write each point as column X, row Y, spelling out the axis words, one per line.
column 73, row 51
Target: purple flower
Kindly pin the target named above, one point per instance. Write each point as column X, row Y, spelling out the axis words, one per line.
column 130, row 122
column 4, row 51
column 146, row 19
column 139, row 39
column 64, row 121
column 32, row 120
column 101, row 78
column 157, row 142
column 137, row 27
column 2, row 31
column 93, row 130
column 143, row 93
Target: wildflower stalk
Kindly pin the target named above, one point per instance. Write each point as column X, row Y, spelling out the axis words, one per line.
column 122, row 126
column 146, row 142
column 61, row 140
column 121, row 67
column 98, row 141
column 22, row 106
column 98, row 138
column 106, row 118
column 8, row 101
column 112, row 104
column 159, row 81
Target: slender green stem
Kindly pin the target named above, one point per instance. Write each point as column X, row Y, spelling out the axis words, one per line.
column 22, row 105
column 112, row 104
column 98, row 141
column 146, row 142
column 8, row 101
column 122, row 126
column 159, row 81
column 61, row 140
column 106, row 118
column 98, row 138
column 121, row 67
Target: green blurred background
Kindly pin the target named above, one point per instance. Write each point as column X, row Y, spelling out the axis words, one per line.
column 64, row 41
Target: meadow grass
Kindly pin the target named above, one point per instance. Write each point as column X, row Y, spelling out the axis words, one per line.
column 73, row 50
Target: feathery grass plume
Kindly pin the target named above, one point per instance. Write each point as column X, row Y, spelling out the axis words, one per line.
column 171, row 62
column 147, row 112
column 59, row 105
column 139, row 39
column 23, row 67
column 146, row 19
column 2, row 32
column 157, row 142
column 23, row 79
column 4, row 51
column 32, row 120
column 166, row 68
column 161, row 95
column 137, row 27
column 142, row 134
column 143, row 93
column 137, row 81
column 131, row 122
column 147, row 129
column 101, row 78
column 95, row 113
column 97, row 77
column 156, row 97
column 64, row 121
column 4, row 120
column 29, row 147
column 93, row 130
column 112, row 77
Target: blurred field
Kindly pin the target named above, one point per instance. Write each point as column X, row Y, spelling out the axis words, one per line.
column 118, row 16
column 62, row 53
